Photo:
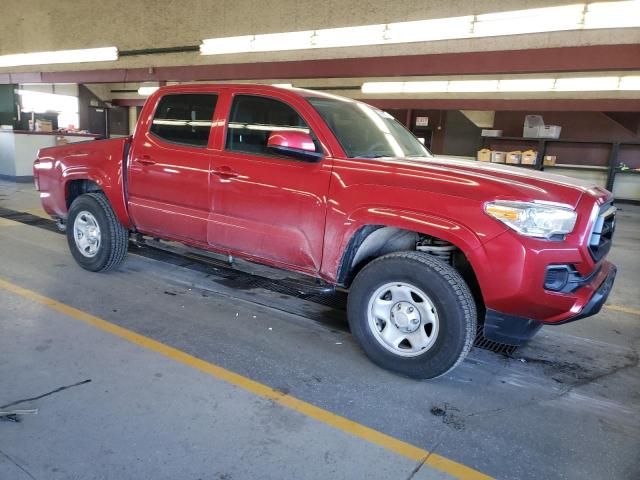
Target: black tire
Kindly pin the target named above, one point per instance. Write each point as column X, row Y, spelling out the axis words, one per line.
column 114, row 238
column 447, row 291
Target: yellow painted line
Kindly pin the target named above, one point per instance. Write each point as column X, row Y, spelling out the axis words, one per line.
column 4, row 222
column 37, row 212
column 621, row 308
column 358, row 430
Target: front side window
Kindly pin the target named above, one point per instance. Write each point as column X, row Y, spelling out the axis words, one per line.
column 366, row 132
column 185, row 118
column 253, row 119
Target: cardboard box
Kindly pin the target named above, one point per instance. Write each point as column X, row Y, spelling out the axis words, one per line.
column 529, row 157
column 514, row 157
column 498, row 157
column 491, row 133
column 484, row 155
column 549, row 160
column 44, row 126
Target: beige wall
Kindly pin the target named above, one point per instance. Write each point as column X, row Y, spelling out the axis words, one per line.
column 41, row 25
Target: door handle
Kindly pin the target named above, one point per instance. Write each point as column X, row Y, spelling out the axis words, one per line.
column 145, row 160
column 225, row 172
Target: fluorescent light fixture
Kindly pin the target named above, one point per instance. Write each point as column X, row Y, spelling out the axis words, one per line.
column 271, row 42
column 526, row 85
column 104, row 54
column 577, row 84
column 551, row 19
column 429, row 86
column 433, row 86
column 428, row 30
column 629, row 82
column 586, row 84
column 227, row 45
column 405, row 87
column 145, row 91
column 348, row 36
column 383, row 87
column 577, row 16
column 281, row 41
column 612, row 14
column 459, row 86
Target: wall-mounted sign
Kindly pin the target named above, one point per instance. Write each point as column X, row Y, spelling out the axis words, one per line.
column 422, row 121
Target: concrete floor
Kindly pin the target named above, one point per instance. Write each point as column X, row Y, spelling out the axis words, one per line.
column 566, row 406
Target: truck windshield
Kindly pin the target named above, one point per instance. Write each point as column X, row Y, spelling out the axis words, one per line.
column 366, row 132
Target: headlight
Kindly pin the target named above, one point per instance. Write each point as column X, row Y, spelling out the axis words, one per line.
column 533, row 219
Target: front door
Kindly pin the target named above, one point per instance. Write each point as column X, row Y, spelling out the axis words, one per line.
column 265, row 205
column 168, row 175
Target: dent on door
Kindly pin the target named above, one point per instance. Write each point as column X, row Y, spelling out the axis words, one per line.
column 274, row 212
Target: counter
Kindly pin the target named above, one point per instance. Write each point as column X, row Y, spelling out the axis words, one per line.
column 18, row 150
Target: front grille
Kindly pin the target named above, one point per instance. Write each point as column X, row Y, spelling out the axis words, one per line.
column 602, row 232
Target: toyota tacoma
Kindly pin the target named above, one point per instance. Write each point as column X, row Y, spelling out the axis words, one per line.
column 427, row 247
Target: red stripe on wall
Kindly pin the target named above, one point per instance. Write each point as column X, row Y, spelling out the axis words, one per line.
column 598, row 105
column 563, row 59
column 594, row 105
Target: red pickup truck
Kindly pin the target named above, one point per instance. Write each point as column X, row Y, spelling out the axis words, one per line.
column 333, row 188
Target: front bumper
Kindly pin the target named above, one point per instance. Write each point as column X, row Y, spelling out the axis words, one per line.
column 512, row 269
column 599, row 297
column 515, row 330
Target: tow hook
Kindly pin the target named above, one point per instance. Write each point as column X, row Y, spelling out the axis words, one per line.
column 62, row 226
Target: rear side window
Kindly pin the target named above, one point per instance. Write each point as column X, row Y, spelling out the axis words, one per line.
column 253, row 119
column 185, row 118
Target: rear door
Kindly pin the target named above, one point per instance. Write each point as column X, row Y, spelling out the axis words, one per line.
column 168, row 176
column 265, row 205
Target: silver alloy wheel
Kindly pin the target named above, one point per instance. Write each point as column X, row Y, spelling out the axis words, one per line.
column 403, row 319
column 86, row 233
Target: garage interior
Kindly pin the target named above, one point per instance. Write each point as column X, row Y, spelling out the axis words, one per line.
column 187, row 364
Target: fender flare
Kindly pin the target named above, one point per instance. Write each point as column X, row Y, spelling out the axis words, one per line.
column 363, row 221
column 114, row 192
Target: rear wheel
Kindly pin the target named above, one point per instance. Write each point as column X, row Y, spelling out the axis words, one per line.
column 97, row 240
column 412, row 314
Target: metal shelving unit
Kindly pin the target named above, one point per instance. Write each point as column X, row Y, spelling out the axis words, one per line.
column 612, row 162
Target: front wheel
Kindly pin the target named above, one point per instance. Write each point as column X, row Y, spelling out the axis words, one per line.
column 413, row 314
column 97, row 240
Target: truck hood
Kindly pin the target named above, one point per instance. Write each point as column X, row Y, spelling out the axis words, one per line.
column 487, row 181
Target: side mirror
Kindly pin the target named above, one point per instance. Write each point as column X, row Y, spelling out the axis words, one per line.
column 292, row 143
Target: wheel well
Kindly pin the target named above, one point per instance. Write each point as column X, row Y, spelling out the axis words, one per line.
column 75, row 188
column 373, row 241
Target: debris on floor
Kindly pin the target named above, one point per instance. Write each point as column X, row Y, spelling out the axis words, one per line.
column 13, row 415
column 32, row 399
